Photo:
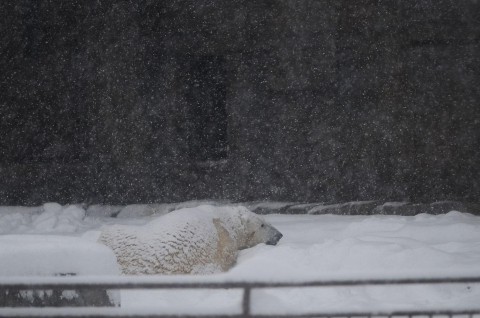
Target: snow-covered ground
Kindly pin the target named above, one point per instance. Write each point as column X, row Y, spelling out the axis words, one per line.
column 314, row 247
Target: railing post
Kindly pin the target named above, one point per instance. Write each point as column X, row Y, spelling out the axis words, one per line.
column 246, row 301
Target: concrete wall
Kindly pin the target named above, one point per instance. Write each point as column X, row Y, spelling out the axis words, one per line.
column 325, row 100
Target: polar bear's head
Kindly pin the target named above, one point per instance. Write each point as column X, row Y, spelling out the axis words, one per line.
column 258, row 230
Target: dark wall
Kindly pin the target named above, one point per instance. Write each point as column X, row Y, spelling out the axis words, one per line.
column 307, row 100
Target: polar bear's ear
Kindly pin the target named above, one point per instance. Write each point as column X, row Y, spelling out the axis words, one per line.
column 244, row 217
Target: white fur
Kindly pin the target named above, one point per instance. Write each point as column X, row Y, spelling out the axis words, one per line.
column 198, row 240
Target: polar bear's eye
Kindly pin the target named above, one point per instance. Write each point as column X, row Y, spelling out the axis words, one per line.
column 262, row 225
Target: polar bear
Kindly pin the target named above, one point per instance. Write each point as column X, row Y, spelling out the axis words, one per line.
column 201, row 240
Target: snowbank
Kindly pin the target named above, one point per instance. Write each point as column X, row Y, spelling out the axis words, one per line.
column 48, row 218
column 49, row 255
column 366, row 246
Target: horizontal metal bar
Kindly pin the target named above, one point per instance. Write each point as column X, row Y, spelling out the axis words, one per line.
column 99, row 314
column 69, row 283
column 375, row 314
column 61, row 315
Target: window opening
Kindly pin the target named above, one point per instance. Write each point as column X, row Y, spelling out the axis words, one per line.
column 206, row 95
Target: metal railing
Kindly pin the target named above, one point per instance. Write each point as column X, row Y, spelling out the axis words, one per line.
column 130, row 283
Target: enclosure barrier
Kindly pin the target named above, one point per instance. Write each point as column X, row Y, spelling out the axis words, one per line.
column 73, row 283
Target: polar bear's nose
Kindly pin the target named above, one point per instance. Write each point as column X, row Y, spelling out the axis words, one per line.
column 275, row 238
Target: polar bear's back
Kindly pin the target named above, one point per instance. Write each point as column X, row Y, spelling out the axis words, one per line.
column 175, row 243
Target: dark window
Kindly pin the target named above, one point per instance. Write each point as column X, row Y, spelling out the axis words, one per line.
column 206, row 96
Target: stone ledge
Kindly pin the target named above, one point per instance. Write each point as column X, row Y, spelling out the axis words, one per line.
column 272, row 207
column 378, row 208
